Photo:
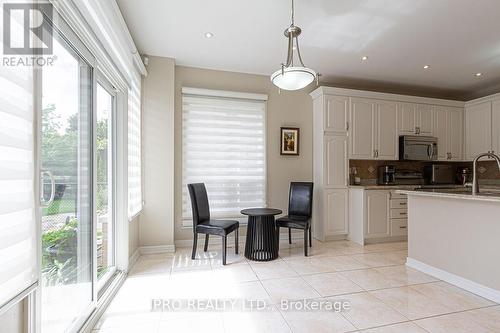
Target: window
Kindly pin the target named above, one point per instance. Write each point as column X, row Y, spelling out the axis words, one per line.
column 134, row 149
column 18, row 264
column 224, row 146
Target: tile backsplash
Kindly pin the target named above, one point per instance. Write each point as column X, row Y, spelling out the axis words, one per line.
column 368, row 169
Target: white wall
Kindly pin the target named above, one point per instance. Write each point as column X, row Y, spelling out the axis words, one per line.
column 292, row 109
column 156, row 225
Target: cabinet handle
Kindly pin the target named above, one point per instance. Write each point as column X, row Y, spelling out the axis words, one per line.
column 402, row 227
column 402, row 213
column 347, row 125
column 402, row 203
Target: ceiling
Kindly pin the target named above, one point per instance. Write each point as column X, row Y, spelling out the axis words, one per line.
column 457, row 38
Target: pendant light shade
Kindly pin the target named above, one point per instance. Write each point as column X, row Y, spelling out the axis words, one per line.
column 291, row 77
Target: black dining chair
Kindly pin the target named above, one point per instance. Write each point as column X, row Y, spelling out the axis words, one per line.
column 203, row 224
column 299, row 212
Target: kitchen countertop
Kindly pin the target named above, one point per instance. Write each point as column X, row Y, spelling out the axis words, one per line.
column 491, row 194
column 400, row 187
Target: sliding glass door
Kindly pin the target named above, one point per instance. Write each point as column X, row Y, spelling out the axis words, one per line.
column 66, row 154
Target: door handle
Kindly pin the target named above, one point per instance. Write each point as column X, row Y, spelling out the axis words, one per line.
column 47, row 203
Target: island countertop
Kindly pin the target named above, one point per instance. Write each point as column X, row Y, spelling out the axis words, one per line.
column 486, row 194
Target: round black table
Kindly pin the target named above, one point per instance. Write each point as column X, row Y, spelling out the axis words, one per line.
column 262, row 242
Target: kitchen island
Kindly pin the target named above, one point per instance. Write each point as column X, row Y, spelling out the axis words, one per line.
column 455, row 236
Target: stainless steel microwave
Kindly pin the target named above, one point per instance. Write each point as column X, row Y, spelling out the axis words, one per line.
column 418, row 148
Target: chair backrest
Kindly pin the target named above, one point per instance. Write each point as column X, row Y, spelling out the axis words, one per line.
column 199, row 203
column 300, row 199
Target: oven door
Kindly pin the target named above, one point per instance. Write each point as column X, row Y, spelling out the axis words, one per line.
column 419, row 149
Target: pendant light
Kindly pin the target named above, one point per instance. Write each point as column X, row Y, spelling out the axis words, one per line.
column 291, row 77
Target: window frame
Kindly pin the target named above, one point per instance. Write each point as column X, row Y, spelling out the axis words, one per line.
column 105, row 83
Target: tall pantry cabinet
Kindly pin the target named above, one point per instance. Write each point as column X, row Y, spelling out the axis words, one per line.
column 331, row 164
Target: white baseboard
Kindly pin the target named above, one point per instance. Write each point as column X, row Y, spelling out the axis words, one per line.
column 473, row 287
column 156, row 249
column 133, row 258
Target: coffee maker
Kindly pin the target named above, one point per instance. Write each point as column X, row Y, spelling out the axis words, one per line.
column 386, row 175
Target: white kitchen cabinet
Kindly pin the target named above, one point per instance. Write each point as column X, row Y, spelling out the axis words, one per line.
column 335, row 161
column 456, row 133
column 441, row 132
column 448, row 128
column 495, row 127
column 478, row 129
column 377, row 214
column 386, row 130
column 336, row 114
column 337, row 208
column 373, row 133
column 407, row 118
column 415, row 119
column 331, row 164
column 362, row 128
column 424, row 119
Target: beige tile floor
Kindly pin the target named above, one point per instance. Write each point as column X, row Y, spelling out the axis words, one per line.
column 384, row 295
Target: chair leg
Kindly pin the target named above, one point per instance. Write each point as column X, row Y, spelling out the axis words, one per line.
column 206, row 243
column 305, row 242
column 289, row 235
column 236, row 241
column 195, row 244
column 224, row 248
column 310, row 238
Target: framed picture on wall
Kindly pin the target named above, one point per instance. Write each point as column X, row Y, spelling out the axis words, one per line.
column 290, row 143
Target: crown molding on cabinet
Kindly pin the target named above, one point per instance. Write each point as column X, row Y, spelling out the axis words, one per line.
column 384, row 96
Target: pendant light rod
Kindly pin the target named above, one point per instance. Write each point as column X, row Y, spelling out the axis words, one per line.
column 291, row 76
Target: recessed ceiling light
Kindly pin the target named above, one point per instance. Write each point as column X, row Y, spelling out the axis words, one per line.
column 427, row 67
column 364, row 58
column 479, row 74
column 209, row 34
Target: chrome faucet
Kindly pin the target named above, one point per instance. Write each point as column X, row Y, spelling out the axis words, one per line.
column 475, row 183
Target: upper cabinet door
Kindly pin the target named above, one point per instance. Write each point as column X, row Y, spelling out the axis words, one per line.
column 455, row 133
column 424, row 119
column 336, row 114
column 495, row 134
column 407, row 118
column 336, row 162
column 441, row 131
column 478, row 129
column 362, row 128
column 386, row 130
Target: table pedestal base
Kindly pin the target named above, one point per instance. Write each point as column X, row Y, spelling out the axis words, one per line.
column 262, row 241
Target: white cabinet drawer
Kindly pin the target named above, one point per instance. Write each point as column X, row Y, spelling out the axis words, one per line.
column 399, row 203
column 395, row 195
column 399, row 227
column 399, row 213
